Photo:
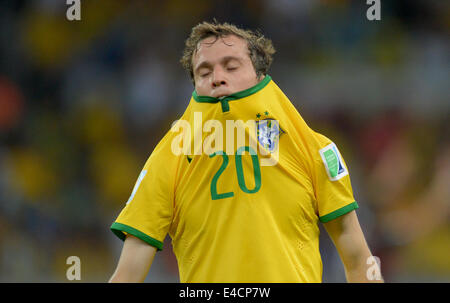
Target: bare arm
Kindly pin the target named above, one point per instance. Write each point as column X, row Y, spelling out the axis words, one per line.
column 347, row 236
column 135, row 261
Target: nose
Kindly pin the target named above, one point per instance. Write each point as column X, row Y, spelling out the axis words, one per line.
column 218, row 78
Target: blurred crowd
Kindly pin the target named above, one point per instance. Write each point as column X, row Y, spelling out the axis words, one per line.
column 83, row 103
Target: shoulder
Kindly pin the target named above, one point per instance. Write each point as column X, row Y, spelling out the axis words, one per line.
column 163, row 154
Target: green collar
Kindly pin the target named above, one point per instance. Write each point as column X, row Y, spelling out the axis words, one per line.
column 232, row 97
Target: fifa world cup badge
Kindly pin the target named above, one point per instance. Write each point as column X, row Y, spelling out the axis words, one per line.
column 333, row 162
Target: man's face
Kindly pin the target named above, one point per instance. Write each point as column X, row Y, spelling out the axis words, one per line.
column 223, row 67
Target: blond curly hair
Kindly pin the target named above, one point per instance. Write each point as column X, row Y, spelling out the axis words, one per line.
column 260, row 48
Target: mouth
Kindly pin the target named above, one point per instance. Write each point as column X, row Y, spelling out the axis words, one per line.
column 221, row 95
column 220, row 92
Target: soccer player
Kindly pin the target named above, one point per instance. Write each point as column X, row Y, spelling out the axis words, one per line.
column 233, row 217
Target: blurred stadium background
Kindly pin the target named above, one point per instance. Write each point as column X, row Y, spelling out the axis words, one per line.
column 83, row 103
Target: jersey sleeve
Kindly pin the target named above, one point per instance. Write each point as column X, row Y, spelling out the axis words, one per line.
column 331, row 179
column 147, row 214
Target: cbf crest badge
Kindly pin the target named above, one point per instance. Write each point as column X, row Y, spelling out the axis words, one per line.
column 268, row 132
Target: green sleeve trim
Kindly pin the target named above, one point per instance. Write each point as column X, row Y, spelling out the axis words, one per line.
column 120, row 229
column 337, row 213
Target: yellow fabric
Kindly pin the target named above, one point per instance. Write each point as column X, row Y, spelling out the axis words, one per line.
column 271, row 235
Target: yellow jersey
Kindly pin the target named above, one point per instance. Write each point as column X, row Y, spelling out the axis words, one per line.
column 231, row 216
